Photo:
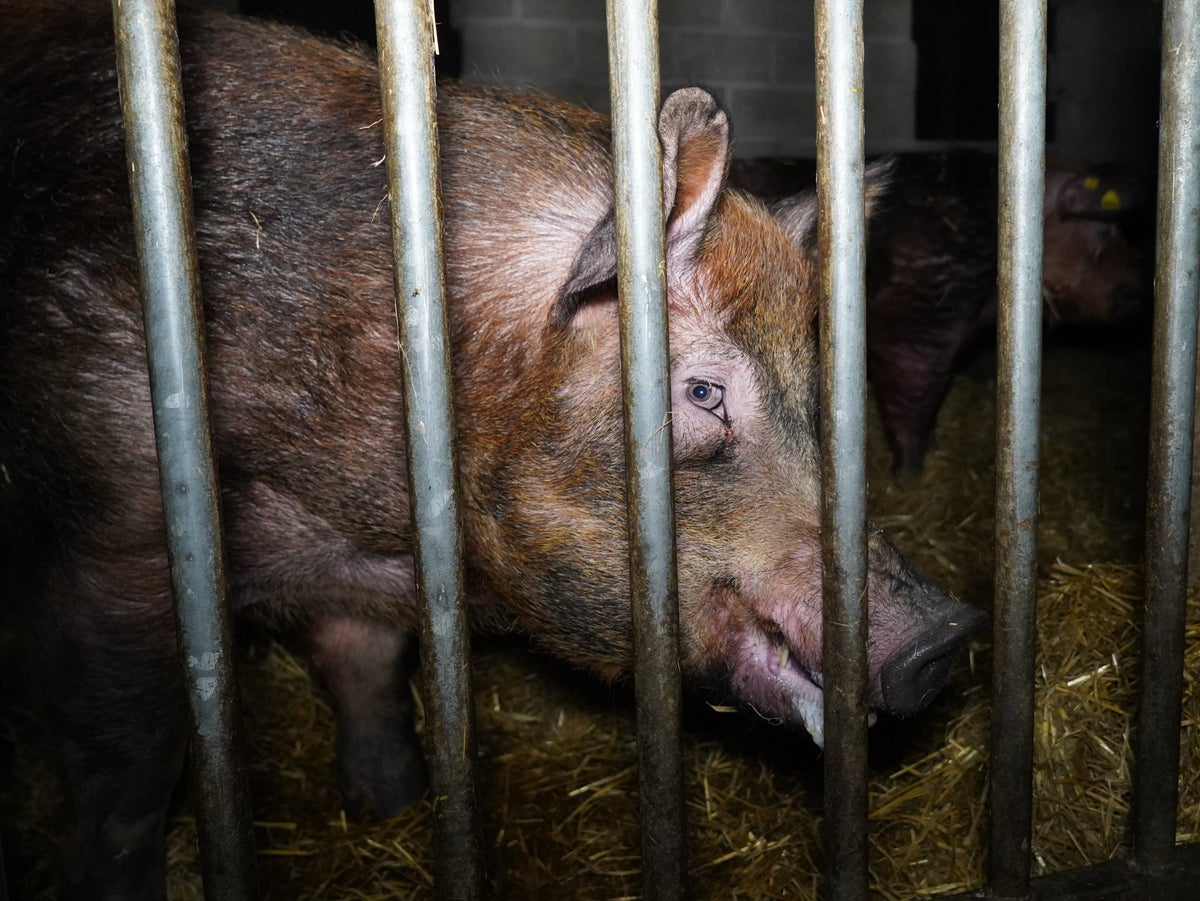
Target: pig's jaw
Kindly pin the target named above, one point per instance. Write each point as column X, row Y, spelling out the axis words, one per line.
column 802, row 687
column 769, row 675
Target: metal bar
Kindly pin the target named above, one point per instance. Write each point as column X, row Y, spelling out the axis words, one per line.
column 1115, row 880
column 3, row 878
column 637, row 167
column 1021, row 190
column 839, row 56
column 152, row 104
column 406, row 49
column 1156, row 776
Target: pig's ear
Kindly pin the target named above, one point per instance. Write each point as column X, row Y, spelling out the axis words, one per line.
column 694, row 134
column 594, row 272
column 798, row 214
column 798, row 217
column 1090, row 196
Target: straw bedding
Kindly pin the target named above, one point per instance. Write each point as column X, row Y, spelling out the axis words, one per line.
column 558, row 753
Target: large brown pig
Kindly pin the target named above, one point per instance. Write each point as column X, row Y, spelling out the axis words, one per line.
column 306, row 408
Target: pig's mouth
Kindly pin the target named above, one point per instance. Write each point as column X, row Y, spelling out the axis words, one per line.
column 777, row 669
column 771, row 676
column 804, row 686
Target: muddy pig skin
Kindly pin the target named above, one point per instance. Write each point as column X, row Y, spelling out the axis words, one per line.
column 285, row 146
column 931, row 270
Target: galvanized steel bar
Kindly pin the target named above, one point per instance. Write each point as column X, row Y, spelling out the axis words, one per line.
column 1156, row 773
column 406, row 41
column 1021, row 191
column 839, row 56
column 152, row 104
column 637, row 164
column 1113, row 879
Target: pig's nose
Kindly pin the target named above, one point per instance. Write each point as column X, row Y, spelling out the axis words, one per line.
column 914, row 674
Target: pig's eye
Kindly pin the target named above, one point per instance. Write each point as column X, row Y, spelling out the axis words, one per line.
column 708, row 396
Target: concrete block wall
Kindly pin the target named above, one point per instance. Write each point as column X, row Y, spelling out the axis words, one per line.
column 755, row 56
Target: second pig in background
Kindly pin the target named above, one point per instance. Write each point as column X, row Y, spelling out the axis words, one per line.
column 932, row 260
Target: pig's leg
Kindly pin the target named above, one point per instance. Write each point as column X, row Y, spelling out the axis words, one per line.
column 910, row 384
column 366, row 666
column 111, row 679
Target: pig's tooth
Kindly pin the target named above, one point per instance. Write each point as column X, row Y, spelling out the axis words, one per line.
column 813, row 715
column 784, row 653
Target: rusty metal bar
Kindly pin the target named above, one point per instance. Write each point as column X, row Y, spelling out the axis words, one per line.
column 1114, row 880
column 406, row 40
column 1156, row 749
column 1022, row 180
column 152, row 105
column 637, row 167
column 839, row 56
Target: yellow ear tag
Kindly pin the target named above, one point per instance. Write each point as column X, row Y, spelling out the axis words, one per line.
column 1110, row 200
column 1091, row 182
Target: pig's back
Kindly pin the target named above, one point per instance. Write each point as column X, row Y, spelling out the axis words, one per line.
column 291, row 215
column 290, row 194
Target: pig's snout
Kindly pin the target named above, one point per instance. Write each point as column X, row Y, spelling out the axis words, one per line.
column 916, row 672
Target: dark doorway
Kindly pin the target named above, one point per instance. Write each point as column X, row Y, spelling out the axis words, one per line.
column 958, row 58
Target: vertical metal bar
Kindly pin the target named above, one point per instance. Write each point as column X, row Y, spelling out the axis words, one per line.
column 1155, row 784
column 3, row 879
column 152, row 104
column 1021, row 191
column 406, row 41
column 841, row 225
column 637, row 165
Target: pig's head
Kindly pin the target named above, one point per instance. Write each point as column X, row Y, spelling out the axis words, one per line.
column 744, row 385
column 1091, row 273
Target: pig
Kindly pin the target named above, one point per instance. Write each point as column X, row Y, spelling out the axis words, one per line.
column 774, row 179
column 307, row 422
column 931, row 268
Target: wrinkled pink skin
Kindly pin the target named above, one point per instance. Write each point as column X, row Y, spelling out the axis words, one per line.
column 307, row 412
